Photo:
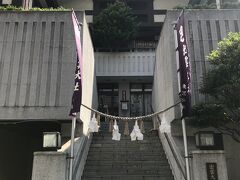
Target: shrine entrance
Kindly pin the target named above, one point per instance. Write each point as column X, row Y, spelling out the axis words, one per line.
column 108, row 98
column 140, row 99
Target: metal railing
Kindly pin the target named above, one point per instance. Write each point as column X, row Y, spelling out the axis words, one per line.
column 175, row 156
column 173, row 151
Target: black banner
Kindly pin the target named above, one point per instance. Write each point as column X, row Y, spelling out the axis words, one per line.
column 184, row 66
column 77, row 93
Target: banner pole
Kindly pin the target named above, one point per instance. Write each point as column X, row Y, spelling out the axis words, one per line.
column 77, row 93
column 72, row 148
column 186, row 156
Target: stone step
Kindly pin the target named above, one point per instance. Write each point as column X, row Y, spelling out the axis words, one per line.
column 124, row 151
column 152, row 144
column 161, row 167
column 129, row 177
column 100, row 153
column 130, row 156
column 93, row 172
column 127, row 162
column 126, row 157
column 101, row 147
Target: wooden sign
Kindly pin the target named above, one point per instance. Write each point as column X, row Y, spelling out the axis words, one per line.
column 212, row 171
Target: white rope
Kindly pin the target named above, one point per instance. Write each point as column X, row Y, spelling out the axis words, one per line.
column 130, row 118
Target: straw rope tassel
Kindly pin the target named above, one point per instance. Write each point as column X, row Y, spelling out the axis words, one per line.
column 141, row 126
column 110, row 125
column 126, row 128
column 98, row 120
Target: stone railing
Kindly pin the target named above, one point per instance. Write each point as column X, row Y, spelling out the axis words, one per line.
column 174, row 158
column 125, row 63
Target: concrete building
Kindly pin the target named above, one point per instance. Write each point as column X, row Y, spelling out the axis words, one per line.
column 37, row 71
column 204, row 28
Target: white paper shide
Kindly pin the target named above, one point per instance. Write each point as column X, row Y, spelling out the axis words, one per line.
column 136, row 133
column 115, row 133
column 93, row 124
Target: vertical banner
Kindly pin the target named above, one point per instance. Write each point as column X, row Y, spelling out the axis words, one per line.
column 77, row 93
column 184, row 66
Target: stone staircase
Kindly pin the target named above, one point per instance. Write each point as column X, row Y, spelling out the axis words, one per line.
column 126, row 159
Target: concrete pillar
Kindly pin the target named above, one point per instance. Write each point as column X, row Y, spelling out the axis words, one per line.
column 49, row 166
column 209, row 165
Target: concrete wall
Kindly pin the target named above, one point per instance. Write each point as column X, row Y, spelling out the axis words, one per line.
column 37, row 57
column 49, row 166
column 89, row 89
column 78, row 5
column 200, row 158
column 204, row 29
column 170, row 4
column 18, row 142
column 125, row 63
column 165, row 89
column 37, row 65
column 89, row 98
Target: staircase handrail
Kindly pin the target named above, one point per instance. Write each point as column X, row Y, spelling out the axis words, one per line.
column 79, row 155
column 80, row 145
column 173, row 151
column 175, row 156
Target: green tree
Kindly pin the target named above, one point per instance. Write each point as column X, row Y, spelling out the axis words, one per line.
column 222, row 85
column 210, row 4
column 114, row 27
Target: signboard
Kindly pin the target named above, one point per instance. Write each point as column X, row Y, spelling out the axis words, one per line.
column 212, row 171
column 124, row 105
column 145, row 44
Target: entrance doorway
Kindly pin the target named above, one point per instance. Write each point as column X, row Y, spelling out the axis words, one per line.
column 140, row 99
column 108, row 98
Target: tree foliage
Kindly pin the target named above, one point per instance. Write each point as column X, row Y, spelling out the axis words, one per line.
column 15, row 8
column 222, row 85
column 115, row 26
column 210, row 4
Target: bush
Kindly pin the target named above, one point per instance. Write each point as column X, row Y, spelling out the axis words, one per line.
column 14, row 8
